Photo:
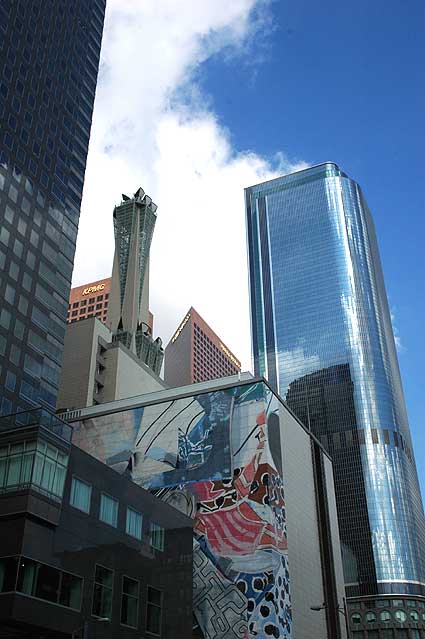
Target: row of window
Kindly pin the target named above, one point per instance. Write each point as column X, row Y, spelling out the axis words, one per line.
column 388, row 633
column 80, row 498
column 387, row 603
column 72, row 320
column 91, row 300
column 204, row 346
column 349, row 438
column 88, row 309
column 385, row 616
column 35, row 579
column 130, row 594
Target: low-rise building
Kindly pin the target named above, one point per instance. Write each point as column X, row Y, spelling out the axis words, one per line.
column 84, row 551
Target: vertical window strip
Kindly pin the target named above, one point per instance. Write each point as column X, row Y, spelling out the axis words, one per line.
column 133, row 525
column 157, row 536
column 80, row 495
column 108, row 510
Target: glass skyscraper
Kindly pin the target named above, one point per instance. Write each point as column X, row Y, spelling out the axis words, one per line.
column 49, row 59
column 322, row 335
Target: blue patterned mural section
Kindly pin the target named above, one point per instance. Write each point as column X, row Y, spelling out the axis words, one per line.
column 216, row 456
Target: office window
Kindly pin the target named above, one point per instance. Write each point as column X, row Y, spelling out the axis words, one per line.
column 129, row 602
column 33, row 464
column 154, row 611
column 80, row 495
column 48, row 583
column 8, row 570
column 108, row 510
column 387, row 633
column 10, row 381
column 102, row 594
column 157, row 537
column 133, row 524
column 71, row 591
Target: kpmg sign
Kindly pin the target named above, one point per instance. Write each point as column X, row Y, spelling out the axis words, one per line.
column 94, row 289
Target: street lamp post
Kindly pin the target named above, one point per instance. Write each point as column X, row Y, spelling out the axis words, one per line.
column 342, row 610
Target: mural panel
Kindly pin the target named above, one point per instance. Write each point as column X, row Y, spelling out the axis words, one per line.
column 217, row 457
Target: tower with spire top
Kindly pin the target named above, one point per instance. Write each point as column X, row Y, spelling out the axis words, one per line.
column 134, row 223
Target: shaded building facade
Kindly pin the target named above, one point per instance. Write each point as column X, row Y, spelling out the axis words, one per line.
column 49, row 58
column 195, row 353
column 259, row 488
column 321, row 333
column 98, row 369
column 85, row 552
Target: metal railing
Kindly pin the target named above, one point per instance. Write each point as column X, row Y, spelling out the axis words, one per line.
column 37, row 417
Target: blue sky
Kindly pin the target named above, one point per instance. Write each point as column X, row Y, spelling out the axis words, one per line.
column 346, row 82
column 217, row 94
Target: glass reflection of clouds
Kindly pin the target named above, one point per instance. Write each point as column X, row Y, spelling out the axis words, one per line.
column 318, row 310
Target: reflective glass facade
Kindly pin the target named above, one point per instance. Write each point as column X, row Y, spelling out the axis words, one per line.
column 322, row 335
column 49, row 57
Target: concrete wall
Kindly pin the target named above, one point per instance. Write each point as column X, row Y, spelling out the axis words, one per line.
column 177, row 359
column 303, row 534
column 125, row 376
column 339, row 575
column 79, row 362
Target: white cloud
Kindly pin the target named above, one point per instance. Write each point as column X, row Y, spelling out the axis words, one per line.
column 397, row 339
column 154, row 128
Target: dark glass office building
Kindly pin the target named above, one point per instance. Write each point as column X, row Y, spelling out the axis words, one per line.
column 322, row 335
column 85, row 553
column 49, row 58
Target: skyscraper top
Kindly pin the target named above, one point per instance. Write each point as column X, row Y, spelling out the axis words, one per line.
column 328, row 169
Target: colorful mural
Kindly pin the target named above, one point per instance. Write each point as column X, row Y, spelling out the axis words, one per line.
column 217, row 457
